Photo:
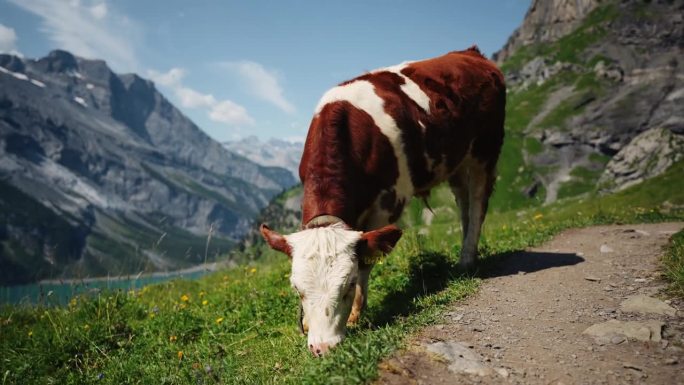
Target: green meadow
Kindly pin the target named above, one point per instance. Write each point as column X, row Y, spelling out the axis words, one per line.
column 239, row 325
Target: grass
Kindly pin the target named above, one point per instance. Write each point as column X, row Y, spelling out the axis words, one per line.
column 514, row 176
column 239, row 326
column 583, row 181
column 673, row 262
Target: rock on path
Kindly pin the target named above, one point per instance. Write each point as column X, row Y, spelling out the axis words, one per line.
column 539, row 319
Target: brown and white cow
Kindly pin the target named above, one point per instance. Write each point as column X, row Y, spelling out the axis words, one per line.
column 374, row 142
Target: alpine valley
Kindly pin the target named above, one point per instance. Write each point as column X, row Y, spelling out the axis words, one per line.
column 101, row 175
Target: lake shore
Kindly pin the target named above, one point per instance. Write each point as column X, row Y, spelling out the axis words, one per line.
column 205, row 267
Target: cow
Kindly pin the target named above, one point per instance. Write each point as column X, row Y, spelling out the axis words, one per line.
column 374, row 142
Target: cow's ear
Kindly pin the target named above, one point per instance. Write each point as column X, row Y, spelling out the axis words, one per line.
column 275, row 240
column 381, row 240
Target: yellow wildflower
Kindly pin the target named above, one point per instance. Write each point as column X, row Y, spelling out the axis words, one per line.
column 180, row 355
column 185, row 298
column 183, row 306
column 30, row 333
column 225, row 277
column 72, row 302
column 219, row 320
column 202, row 293
column 205, row 302
column 538, row 216
column 253, row 270
column 86, row 326
column 151, row 315
column 173, row 338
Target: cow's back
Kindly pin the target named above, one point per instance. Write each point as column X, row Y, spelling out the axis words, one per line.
column 384, row 136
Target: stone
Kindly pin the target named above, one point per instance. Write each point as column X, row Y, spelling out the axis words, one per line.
column 634, row 330
column 646, row 305
column 618, row 339
column 647, row 155
column 628, row 365
column 502, row 372
column 606, row 249
column 592, row 278
column 460, row 359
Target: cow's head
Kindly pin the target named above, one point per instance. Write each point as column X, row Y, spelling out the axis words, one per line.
column 325, row 269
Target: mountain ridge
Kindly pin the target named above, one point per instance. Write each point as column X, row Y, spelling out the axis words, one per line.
column 272, row 152
column 113, row 158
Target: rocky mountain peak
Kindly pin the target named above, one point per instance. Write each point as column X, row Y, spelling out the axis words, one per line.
column 11, row 63
column 546, row 21
column 59, row 61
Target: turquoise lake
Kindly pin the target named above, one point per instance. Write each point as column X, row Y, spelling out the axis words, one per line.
column 55, row 294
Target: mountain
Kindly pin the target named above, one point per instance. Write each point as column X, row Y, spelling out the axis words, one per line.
column 100, row 174
column 273, row 152
column 595, row 95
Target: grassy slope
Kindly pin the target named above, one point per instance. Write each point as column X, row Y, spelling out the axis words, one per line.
column 674, row 263
column 239, row 326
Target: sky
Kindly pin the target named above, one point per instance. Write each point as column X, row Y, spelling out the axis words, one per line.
column 241, row 68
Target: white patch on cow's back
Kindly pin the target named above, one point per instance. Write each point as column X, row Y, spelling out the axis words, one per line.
column 361, row 94
column 410, row 88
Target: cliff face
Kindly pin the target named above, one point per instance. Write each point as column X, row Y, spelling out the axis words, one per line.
column 591, row 85
column 100, row 174
column 546, row 21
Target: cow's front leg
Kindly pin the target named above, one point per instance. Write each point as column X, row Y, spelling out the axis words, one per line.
column 361, row 295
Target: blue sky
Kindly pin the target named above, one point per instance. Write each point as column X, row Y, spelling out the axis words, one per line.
column 240, row 68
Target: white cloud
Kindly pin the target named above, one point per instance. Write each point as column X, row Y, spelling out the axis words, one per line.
column 99, row 11
column 230, row 113
column 8, row 39
column 168, row 79
column 261, row 82
column 222, row 111
column 83, row 30
column 194, row 99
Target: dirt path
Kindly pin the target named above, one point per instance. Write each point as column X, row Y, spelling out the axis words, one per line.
column 526, row 324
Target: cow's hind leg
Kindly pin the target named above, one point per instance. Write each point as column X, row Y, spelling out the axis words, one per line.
column 475, row 180
column 459, row 186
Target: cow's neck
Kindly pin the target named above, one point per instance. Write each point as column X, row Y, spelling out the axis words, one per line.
column 326, row 199
column 331, row 179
